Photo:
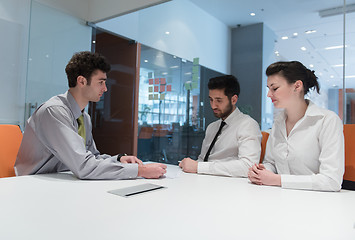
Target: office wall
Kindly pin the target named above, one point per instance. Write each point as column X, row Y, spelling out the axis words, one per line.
column 193, row 32
column 14, row 22
column 247, row 47
column 252, row 52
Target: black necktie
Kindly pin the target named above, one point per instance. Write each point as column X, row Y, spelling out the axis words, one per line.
column 214, row 141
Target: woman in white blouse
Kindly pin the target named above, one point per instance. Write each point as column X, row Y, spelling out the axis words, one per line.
column 305, row 149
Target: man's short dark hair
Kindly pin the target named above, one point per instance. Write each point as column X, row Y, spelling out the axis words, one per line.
column 85, row 64
column 229, row 83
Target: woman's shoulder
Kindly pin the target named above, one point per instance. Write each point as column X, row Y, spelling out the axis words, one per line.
column 317, row 110
column 329, row 116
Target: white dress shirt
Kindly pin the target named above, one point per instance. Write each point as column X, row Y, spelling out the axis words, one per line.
column 312, row 155
column 51, row 143
column 237, row 148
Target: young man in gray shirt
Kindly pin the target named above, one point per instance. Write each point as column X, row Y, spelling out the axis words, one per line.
column 58, row 136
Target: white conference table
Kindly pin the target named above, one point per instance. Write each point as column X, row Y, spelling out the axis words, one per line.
column 59, row 206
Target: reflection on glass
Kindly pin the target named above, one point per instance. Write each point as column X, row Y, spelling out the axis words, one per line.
column 349, row 70
column 319, row 45
column 169, row 96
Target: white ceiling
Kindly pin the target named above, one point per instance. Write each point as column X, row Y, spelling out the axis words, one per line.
column 96, row 11
column 286, row 17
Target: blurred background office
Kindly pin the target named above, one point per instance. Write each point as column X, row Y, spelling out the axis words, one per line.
column 163, row 54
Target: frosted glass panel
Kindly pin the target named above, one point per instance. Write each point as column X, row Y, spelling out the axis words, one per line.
column 14, row 21
column 54, row 38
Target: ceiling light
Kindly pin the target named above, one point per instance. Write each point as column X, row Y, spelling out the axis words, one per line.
column 338, row 65
column 310, row 31
column 334, row 47
column 276, row 52
column 295, row 34
column 284, row 38
column 252, row 14
column 311, row 65
column 303, row 48
column 350, row 76
column 331, row 76
column 174, row 66
column 146, row 60
column 188, row 73
column 93, row 41
column 164, row 73
column 167, row 33
column 337, row 10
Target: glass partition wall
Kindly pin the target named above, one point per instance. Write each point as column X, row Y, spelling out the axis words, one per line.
column 168, row 108
column 325, row 44
column 170, row 119
column 348, row 74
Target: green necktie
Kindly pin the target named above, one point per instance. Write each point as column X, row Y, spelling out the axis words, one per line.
column 81, row 127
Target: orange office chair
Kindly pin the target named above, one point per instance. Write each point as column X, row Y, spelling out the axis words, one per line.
column 349, row 175
column 263, row 145
column 10, row 141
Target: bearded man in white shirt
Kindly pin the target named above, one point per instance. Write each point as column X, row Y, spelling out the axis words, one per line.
column 232, row 143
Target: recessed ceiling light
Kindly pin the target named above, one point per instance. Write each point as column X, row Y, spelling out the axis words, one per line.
column 331, row 76
column 252, row 14
column 334, row 47
column 276, row 52
column 146, row 60
column 284, row 37
column 338, row 65
column 311, row 65
column 310, row 31
column 295, row 34
column 167, row 33
column 303, row 48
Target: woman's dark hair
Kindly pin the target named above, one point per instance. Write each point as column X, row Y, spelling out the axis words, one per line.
column 294, row 71
column 229, row 83
column 84, row 64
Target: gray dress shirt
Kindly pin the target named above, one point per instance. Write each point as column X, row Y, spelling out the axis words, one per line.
column 51, row 143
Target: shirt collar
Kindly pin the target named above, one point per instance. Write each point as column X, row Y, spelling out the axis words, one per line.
column 73, row 105
column 311, row 111
column 231, row 116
